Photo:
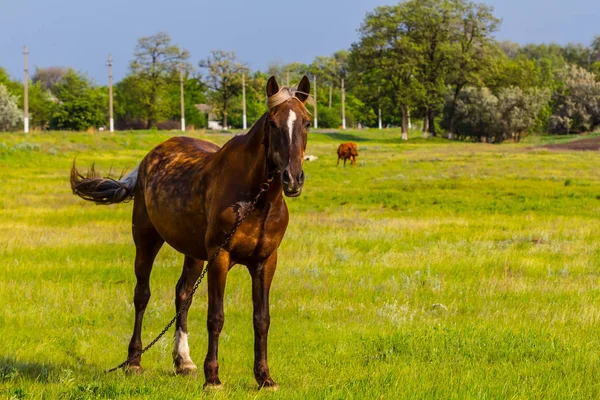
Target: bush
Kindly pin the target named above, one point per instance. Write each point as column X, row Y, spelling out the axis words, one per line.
column 329, row 117
column 482, row 116
column 168, row 125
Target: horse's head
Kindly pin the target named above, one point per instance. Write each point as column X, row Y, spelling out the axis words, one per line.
column 286, row 131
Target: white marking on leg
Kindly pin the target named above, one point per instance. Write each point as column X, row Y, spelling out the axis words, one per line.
column 182, row 349
column 290, row 124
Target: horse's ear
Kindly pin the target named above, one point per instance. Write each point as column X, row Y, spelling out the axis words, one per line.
column 272, row 86
column 303, row 89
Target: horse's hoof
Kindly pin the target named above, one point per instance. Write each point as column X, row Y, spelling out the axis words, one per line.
column 213, row 386
column 133, row 370
column 269, row 386
column 187, row 370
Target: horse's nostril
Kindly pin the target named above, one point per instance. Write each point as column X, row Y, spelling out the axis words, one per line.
column 286, row 177
column 300, row 178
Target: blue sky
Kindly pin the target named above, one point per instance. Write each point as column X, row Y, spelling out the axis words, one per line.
column 81, row 33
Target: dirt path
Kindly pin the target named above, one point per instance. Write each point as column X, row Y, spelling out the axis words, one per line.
column 591, row 144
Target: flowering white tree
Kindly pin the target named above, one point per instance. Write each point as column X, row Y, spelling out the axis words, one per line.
column 577, row 102
column 10, row 115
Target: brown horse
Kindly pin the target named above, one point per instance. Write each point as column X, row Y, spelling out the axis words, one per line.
column 347, row 151
column 190, row 193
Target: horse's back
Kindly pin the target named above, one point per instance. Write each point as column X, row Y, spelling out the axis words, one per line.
column 172, row 186
column 186, row 146
column 177, row 154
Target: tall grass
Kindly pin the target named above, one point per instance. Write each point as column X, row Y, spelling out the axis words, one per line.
column 433, row 269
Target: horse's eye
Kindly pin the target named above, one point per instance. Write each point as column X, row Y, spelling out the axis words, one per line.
column 307, row 125
column 272, row 123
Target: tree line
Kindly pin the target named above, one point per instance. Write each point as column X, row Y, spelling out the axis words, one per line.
column 434, row 62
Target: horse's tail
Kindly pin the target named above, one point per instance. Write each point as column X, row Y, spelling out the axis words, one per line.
column 100, row 190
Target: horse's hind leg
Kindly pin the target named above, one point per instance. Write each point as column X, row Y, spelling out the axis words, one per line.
column 147, row 244
column 181, row 353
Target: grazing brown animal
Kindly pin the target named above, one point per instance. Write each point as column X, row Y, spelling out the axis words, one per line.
column 347, row 151
column 190, row 193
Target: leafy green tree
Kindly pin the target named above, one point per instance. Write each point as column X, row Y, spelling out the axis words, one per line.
column 42, row 105
column 81, row 104
column 387, row 58
column 224, row 81
column 295, row 71
column 10, row 114
column 472, row 53
column 156, row 60
column 255, row 100
column 130, row 103
column 194, row 93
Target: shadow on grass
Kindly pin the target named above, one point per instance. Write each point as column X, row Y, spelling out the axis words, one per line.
column 10, row 369
column 345, row 136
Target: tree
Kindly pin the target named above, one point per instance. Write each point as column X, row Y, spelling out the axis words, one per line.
column 81, row 104
column 48, row 77
column 387, row 58
column 224, row 80
column 517, row 111
column 130, row 103
column 596, row 48
column 295, row 71
column 509, row 48
column 42, row 105
column 474, row 113
column 577, row 102
column 10, row 114
column 481, row 115
column 156, row 60
column 194, row 93
column 472, row 52
column 430, row 26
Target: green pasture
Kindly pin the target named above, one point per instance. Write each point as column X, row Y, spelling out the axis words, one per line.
column 433, row 269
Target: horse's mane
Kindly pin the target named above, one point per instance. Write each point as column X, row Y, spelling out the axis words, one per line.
column 287, row 94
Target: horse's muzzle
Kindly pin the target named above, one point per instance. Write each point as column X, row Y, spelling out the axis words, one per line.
column 292, row 185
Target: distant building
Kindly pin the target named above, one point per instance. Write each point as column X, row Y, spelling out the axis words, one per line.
column 211, row 117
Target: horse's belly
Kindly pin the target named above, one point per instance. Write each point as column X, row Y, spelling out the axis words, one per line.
column 184, row 232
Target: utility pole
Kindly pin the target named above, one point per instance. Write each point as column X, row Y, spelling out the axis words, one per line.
column 343, row 106
column 330, row 93
column 26, row 92
column 182, row 102
column 287, row 81
column 244, row 123
column 379, row 104
column 110, row 95
column 315, row 90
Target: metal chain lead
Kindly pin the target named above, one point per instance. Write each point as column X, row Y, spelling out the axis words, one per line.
column 263, row 188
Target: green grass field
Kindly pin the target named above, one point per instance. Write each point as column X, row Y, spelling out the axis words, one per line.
column 432, row 270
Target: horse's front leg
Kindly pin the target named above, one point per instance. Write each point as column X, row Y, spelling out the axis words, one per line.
column 181, row 353
column 217, row 275
column 262, row 276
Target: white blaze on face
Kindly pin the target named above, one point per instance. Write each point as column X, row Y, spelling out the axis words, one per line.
column 290, row 124
column 182, row 348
